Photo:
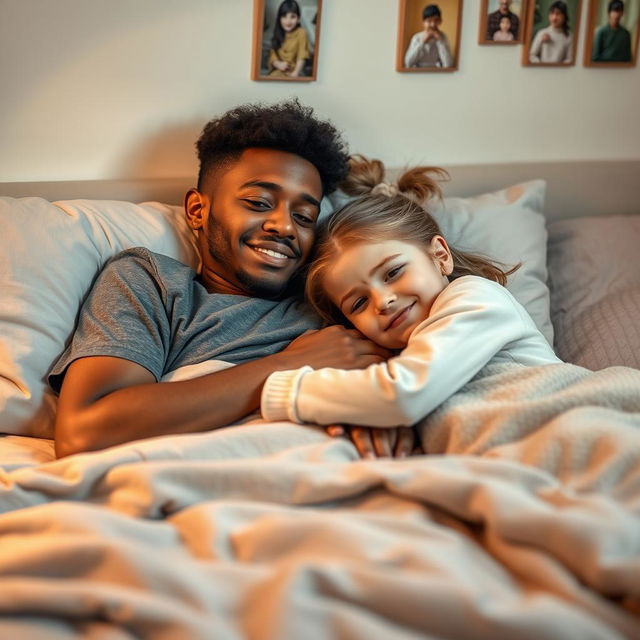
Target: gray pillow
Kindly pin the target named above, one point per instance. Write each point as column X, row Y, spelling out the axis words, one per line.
column 594, row 279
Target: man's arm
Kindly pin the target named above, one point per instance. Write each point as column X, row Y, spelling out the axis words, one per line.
column 492, row 26
column 596, row 54
column 105, row 401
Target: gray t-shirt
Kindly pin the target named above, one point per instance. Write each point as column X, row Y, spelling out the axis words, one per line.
column 152, row 310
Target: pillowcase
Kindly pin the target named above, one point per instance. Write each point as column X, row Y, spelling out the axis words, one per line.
column 50, row 254
column 594, row 277
column 507, row 226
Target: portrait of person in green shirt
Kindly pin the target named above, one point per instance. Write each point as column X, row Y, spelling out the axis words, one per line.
column 612, row 42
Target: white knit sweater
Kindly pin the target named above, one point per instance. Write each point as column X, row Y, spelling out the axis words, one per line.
column 472, row 323
column 559, row 48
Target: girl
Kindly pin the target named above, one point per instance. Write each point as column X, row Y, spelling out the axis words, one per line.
column 554, row 44
column 290, row 44
column 504, row 33
column 383, row 266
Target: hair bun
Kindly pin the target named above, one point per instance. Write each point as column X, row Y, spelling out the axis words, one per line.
column 367, row 177
column 385, row 189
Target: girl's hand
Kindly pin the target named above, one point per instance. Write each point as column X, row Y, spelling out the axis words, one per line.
column 281, row 65
column 371, row 442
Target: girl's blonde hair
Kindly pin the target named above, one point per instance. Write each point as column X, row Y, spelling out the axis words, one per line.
column 381, row 212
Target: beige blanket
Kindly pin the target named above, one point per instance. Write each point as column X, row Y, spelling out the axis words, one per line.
column 275, row 531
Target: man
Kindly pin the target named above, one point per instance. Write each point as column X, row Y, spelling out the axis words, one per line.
column 612, row 42
column 430, row 47
column 493, row 20
column 263, row 172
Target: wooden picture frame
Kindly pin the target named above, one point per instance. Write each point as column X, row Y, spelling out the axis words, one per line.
column 444, row 51
column 544, row 43
column 492, row 28
column 606, row 55
column 305, row 37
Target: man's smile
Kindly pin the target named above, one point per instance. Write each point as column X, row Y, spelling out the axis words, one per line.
column 273, row 253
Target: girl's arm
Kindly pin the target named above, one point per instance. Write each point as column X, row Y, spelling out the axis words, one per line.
column 276, row 63
column 297, row 69
column 470, row 322
column 534, row 52
column 302, row 51
column 568, row 52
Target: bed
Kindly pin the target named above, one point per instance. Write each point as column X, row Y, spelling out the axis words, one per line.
column 275, row 530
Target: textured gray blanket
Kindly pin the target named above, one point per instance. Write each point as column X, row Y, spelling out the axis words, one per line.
column 528, row 527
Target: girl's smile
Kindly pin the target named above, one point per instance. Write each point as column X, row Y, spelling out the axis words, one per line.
column 386, row 289
column 289, row 21
column 556, row 19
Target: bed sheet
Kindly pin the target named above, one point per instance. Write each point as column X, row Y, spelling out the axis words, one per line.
column 278, row 531
column 24, row 451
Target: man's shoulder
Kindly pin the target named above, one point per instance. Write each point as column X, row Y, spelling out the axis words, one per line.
column 137, row 258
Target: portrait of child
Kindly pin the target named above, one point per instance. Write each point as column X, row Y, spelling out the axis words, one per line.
column 286, row 39
column 612, row 33
column 553, row 33
column 428, row 35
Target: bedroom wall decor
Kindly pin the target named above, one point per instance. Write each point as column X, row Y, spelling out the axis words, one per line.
column 501, row 21
column 551, row 33
column 428, row 36
column 611, row 39
column 286, row 40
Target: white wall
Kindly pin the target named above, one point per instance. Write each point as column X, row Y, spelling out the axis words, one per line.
column 98, row 89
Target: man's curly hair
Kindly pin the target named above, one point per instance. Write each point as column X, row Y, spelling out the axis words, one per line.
column 286, row 126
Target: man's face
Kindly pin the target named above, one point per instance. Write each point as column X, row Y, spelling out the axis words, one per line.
column 259, row 221
column 614, row 18
column 504, row 5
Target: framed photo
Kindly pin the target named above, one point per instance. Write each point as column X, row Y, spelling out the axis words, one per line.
column 501, row 21
column 612, row 33
column 428, row 35
column 286, row 40
column 551, row 33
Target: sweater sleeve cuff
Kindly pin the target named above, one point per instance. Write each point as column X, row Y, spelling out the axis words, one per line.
column 280, row 393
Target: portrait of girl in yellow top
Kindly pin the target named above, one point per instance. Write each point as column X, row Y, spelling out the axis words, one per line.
column 290, row 43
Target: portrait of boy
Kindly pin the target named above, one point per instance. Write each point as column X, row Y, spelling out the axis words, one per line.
column 428, row 36
column 613, row 33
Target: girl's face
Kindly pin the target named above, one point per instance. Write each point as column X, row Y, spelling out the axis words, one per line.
column 289, row 21
column 386, row 289
column 505, row 24
column 556, row 18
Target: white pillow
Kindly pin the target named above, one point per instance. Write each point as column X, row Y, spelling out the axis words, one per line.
column 50, row 254
column 507, row 226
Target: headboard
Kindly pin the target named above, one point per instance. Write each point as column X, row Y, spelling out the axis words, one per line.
column 575, row 188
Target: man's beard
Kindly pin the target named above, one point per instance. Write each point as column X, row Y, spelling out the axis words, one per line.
column 219, row 245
